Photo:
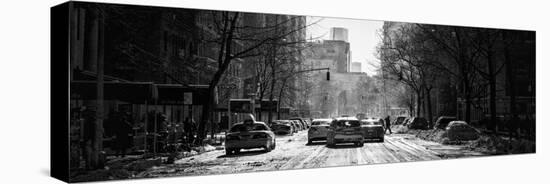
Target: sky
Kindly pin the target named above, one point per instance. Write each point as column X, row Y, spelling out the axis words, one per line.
column 363, row 36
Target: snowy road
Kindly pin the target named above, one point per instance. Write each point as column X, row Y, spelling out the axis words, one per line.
column 293, row 153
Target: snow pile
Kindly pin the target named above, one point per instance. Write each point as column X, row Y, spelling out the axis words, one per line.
column 102, row 174
column 400, row 129
column 502, row 145
column 436, row 135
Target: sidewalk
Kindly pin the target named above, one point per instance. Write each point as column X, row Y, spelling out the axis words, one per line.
column 131, row 166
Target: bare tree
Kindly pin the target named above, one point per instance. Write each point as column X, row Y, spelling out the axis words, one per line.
column 454, row 42
column 231, row 30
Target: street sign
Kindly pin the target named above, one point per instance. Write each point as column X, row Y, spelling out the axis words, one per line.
column 188, row 98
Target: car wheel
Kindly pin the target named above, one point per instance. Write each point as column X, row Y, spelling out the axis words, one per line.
column 309, row 141
column 274, row 145
column 381, row 139
column 228, row 152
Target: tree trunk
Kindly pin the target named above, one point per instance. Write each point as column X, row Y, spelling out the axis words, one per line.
column 94, row 44
column 224, row 59
column 280, row 98
column 467, row 96
column 272, row 90
column 418, row 102
column 511, row 85
column 429, row 106
column 424, row 104
column 206, row 109
column 492, row 92
column 411, row 105
column 464, row 70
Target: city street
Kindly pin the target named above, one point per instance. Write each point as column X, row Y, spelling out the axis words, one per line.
column 293, row 153
column 247, row 76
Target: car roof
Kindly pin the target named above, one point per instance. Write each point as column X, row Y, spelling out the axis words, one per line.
column 446, row 117
column 370, row 119
column 325, row 119
column 345, row 118
column 256, row 122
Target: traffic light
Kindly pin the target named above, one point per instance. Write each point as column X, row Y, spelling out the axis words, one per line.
column 328, row 75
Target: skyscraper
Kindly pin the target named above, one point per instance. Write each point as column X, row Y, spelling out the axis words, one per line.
column 339, row 33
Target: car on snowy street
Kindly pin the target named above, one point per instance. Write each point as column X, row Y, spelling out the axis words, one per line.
column 318, row 130
column 399, row 120
column 345, row 130
column 418, row 123
column 247, row 135
column 302, row 122
column 282, row 127
column 373, row 128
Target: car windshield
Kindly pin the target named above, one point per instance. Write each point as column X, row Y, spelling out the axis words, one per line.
column 367, row 123
column 347, row 123
column 371, row 122
column 248, row 127
column 299, row 120
column 317, row 123
column 281, row 123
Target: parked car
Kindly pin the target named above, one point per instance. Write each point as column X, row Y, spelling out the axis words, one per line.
column 298, row 124
column 247, row 135
column 443, row 121
column 373, row 129
column 282, row 127
column 406, row 121
column 399, row 120
column 318, row 130
column 345, row 130
column 302, row 122
column 295, row 126
column 308, row 122
column 418, row 123
column 461, row 131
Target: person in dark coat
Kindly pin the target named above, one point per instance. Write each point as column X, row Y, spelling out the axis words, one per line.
column 189, row 128
column 388, row 124
column 122, row 131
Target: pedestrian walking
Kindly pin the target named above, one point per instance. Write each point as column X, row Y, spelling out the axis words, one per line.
column 189, row 129
column 388, row 124
column 123, row 130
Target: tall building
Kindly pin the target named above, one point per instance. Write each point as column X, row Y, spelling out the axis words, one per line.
column 333, row 54
column 355, row 67
column 339, row 33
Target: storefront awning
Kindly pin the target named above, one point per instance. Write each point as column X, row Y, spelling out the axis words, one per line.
column 177, row 94
column 132, row 92
column 141, row 92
